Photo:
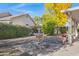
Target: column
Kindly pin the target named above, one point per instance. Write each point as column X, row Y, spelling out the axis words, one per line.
column 70, row 31
column 75, row 29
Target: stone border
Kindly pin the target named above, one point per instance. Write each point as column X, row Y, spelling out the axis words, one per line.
column 21, row 38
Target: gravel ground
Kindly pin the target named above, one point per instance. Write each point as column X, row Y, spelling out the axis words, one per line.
column 29, row 46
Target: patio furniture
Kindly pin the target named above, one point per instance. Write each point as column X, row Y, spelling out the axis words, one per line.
column 63, row 38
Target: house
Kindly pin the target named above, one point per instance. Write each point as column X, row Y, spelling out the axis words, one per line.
column 5, row 14
column 21, row 19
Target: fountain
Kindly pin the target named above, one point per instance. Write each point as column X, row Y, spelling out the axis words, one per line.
column 39, row 34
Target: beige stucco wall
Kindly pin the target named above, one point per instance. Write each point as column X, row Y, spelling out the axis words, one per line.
column 22, row 20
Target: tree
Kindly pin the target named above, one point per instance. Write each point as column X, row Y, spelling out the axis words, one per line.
column 49, row 24
column 57, row 6
column 54, row 20
column 60, row 19
column 38, row 19
column 55, row 15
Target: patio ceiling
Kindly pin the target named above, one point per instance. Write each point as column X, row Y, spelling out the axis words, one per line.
column 74, row 13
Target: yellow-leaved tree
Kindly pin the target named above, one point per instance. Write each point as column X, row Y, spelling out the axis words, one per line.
column 57, row 7
column 54, row 16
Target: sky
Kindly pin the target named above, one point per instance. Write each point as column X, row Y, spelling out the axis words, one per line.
column 34, row 9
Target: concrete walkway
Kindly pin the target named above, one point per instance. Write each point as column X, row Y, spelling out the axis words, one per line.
column 68, row 51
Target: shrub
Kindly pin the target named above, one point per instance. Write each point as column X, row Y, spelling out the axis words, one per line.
column 48, row 27
column 63, row 30
column 10, row 31
column 34, row 30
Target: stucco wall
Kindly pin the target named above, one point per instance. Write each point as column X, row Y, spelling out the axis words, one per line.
column 22, row 20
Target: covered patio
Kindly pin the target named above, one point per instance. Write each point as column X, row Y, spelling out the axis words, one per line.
column 72, row 24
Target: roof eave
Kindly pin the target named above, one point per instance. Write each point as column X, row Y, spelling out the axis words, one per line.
column 70, row 9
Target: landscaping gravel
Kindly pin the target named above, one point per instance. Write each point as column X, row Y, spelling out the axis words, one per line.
column 31, row 47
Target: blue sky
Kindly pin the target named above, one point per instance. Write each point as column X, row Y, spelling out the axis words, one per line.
column 34, row 9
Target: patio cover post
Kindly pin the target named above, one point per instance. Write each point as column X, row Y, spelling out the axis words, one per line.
column 69, row 30
column 75, row 30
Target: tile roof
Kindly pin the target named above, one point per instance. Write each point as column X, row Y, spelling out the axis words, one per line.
column 2, row 15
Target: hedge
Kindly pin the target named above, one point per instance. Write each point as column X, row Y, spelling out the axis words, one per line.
column 8, row 31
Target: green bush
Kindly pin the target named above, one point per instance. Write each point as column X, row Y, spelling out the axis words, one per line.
column 34, row 30
column 63, row 30
column 10, row 31
column 48, row 27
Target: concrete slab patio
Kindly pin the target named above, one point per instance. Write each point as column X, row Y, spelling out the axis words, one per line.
column 68, row 51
